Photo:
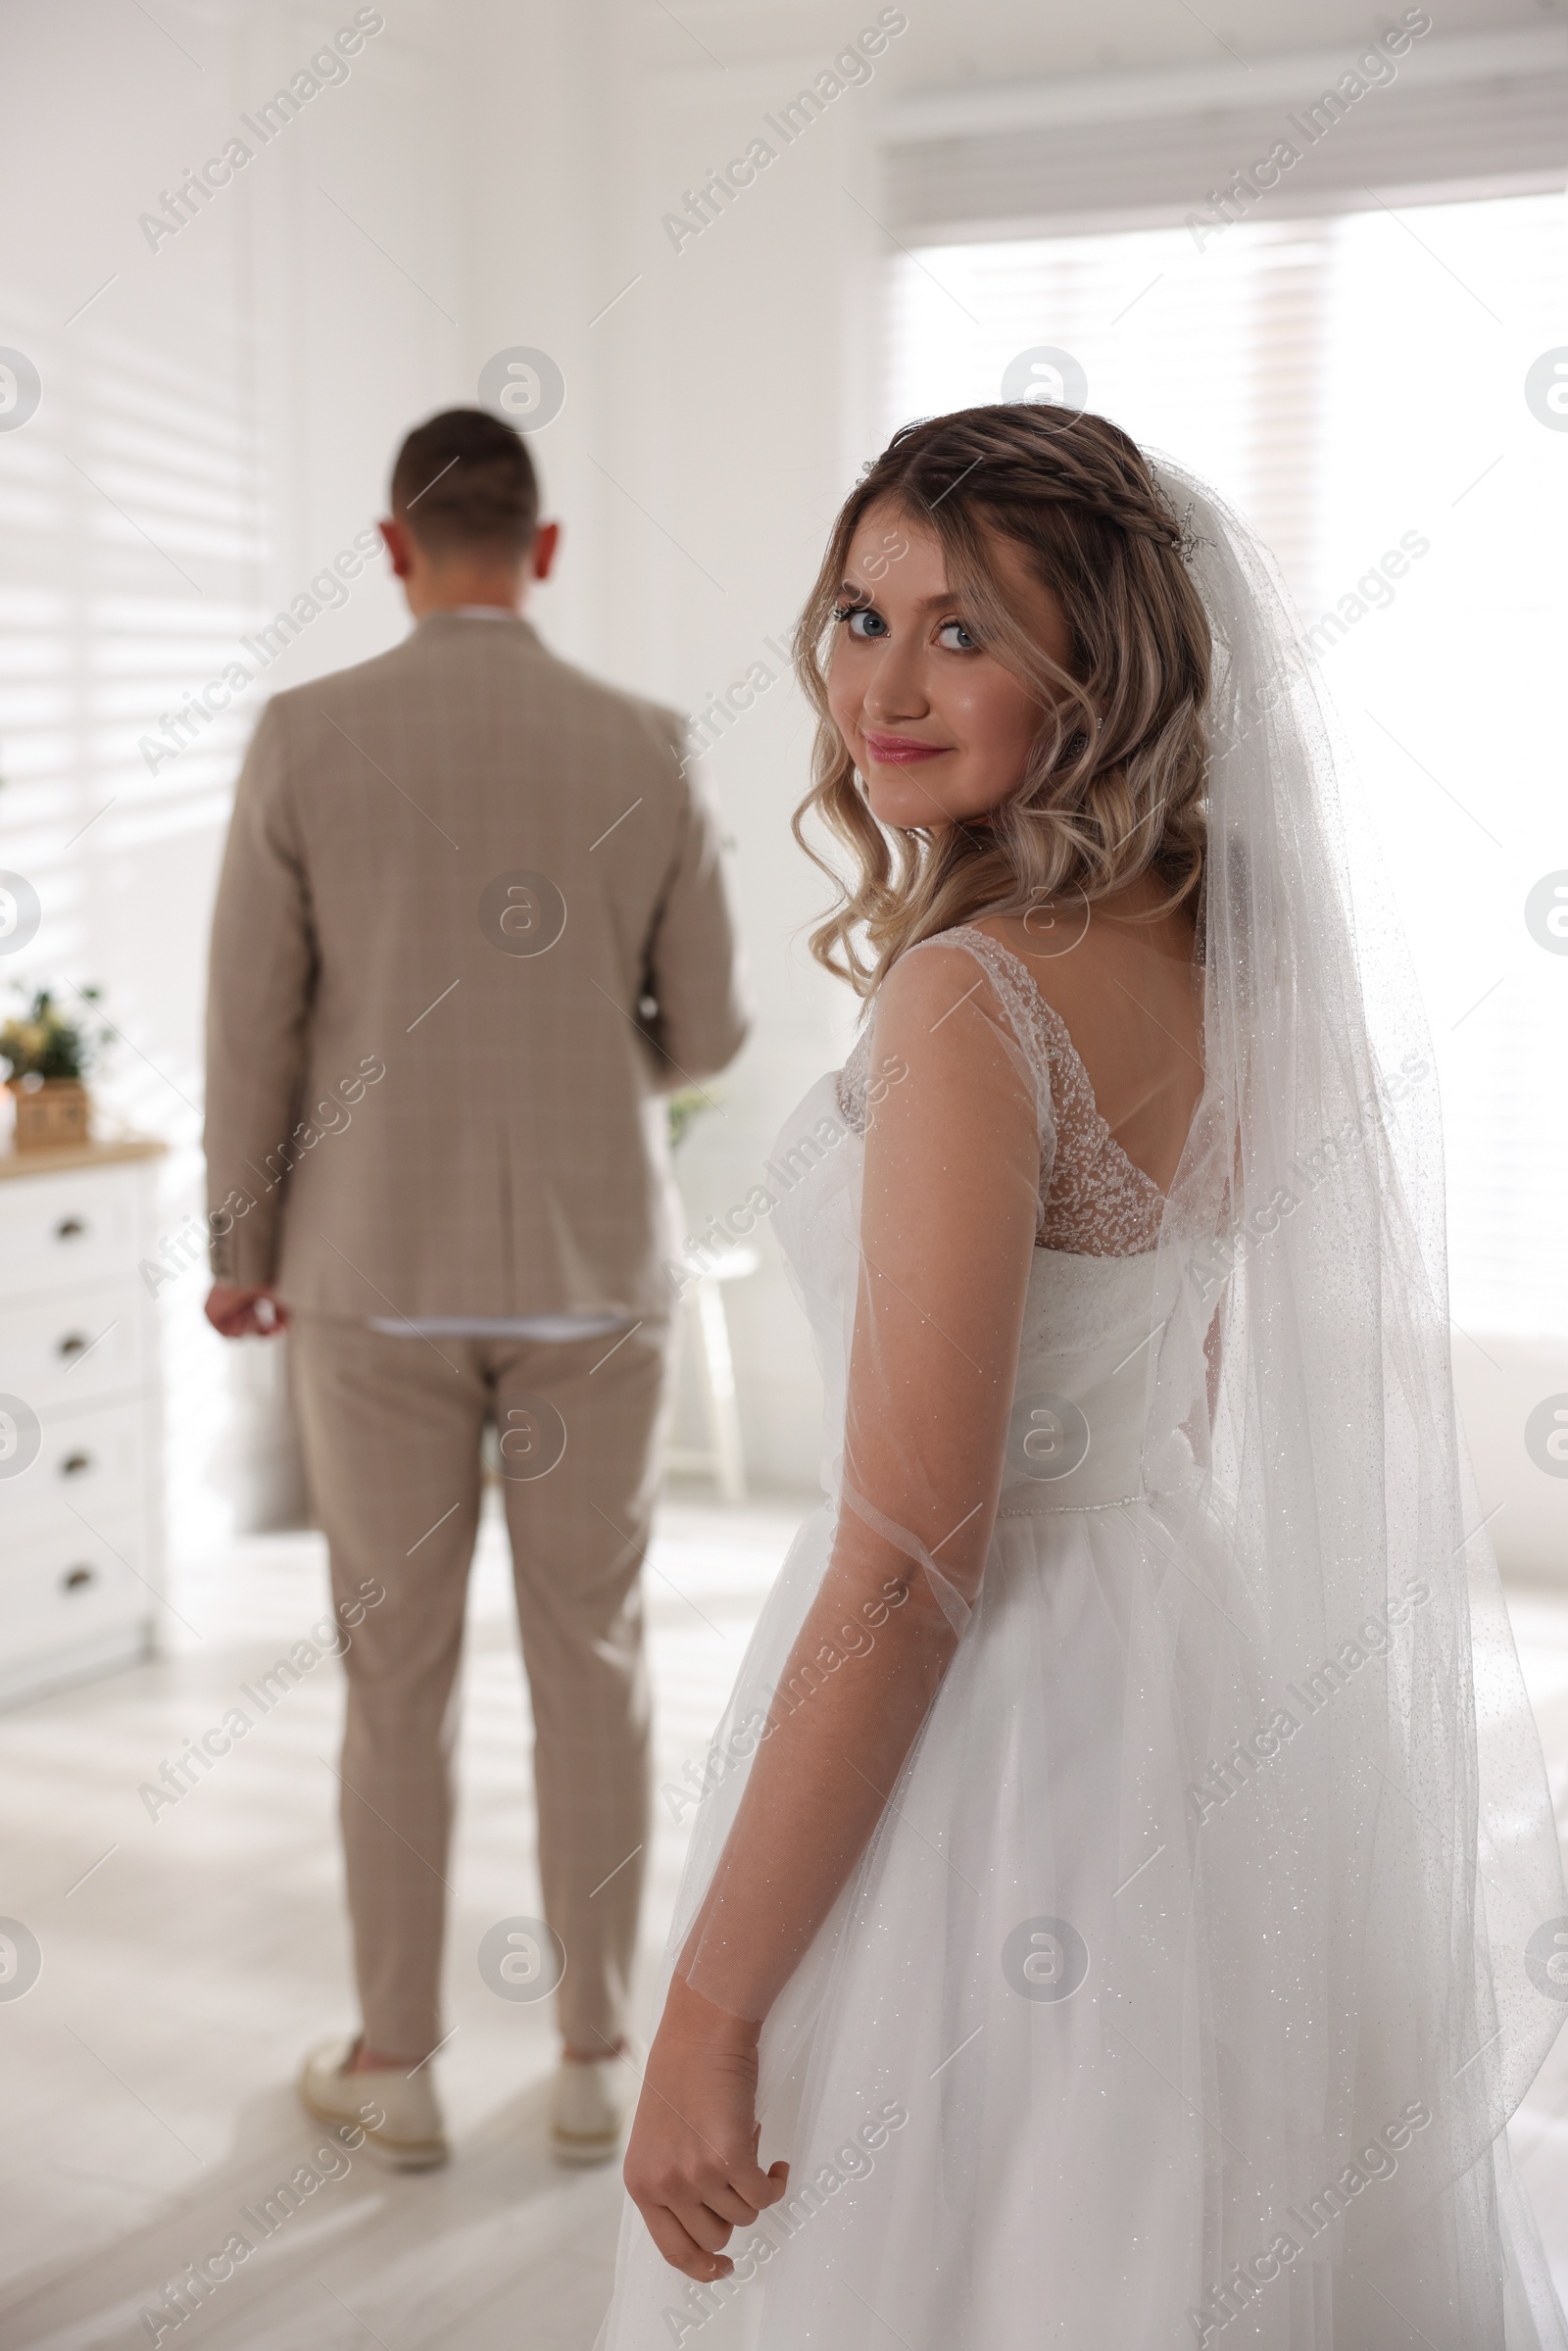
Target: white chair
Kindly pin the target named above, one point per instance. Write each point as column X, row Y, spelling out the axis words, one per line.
column 723, row 1458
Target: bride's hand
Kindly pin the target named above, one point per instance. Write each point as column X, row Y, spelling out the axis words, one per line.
column 691, row 2167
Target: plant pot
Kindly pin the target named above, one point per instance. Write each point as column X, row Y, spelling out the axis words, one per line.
column 51, row 1113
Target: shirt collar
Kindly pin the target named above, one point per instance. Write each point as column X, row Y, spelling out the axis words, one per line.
column 465, row 613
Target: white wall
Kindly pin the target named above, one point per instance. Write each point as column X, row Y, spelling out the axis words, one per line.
column 214, row 426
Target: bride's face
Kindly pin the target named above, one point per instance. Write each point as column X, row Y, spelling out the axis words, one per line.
column 938, row 728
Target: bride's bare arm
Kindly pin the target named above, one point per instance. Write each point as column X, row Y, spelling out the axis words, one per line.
column 949, row 1213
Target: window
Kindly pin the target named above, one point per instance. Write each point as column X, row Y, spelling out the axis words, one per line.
column 1356, row 385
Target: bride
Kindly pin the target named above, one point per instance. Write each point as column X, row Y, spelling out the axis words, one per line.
column 1124, row 1906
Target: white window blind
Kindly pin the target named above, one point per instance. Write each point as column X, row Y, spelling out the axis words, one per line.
column 1355, row 386
column 1438, row 115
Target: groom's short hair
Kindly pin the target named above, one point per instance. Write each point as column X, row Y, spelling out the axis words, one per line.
column 465, row 479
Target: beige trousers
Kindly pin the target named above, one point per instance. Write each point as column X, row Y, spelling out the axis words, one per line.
column 392, row 1430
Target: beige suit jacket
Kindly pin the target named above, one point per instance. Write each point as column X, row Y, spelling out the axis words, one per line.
column 472, row 924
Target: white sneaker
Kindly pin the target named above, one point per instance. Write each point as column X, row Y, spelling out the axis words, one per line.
column 593, row 2097
column 399, row 2113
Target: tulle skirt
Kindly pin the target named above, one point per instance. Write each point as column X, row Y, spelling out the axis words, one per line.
column 988, row 2072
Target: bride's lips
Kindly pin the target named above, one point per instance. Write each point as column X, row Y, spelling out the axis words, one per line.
column 903, row 751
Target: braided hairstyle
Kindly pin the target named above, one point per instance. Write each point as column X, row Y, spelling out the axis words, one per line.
column 1113, row 788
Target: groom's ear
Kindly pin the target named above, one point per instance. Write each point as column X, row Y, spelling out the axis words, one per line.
column 395, row 539
column 542, row 554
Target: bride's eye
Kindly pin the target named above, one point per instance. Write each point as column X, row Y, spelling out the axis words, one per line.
column 952, row 630
column 852, row 616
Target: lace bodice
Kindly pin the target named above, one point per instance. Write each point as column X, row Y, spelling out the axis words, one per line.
column 1093, row 1202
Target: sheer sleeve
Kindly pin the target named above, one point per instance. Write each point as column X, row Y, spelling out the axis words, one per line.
column 950, row 1207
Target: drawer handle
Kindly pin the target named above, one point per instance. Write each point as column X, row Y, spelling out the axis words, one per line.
column 73, row 1344
column 70, row 1228
column 75, row 1465
column 77, row 1579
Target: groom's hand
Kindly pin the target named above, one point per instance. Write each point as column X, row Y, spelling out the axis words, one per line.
column 691, row 2168
column 245, row 1313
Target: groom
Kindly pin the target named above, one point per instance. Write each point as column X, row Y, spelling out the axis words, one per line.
column 472, row 924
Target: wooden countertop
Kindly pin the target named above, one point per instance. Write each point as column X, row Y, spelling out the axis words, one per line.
column 67, row 1157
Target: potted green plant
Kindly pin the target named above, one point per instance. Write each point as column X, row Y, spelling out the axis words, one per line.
column 686, row 1105
column 49, row 1052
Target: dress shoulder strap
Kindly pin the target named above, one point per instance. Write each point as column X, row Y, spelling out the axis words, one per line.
column 1041, row 1032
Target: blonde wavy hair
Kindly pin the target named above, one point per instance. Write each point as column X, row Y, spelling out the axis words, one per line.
column 1113, row 788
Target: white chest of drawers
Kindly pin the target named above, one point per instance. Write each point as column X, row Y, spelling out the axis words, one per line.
column 80, row 1428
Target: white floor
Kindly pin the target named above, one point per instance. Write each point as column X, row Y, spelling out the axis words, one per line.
column 147, row 2073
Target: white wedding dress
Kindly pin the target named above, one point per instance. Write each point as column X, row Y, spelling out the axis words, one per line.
column 977, row 2070
column 1197, row 1954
